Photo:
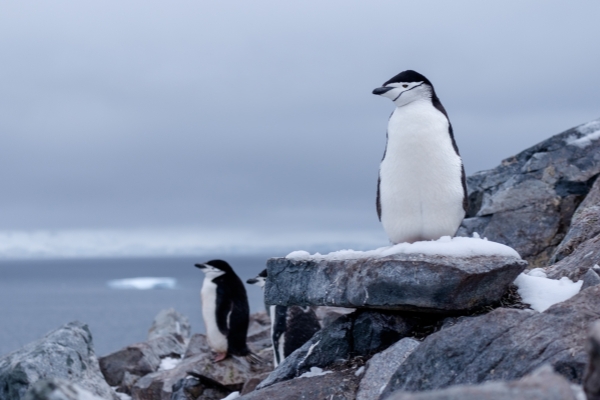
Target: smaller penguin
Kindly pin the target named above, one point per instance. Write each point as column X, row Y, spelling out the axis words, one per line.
column 225, row 310
column 291, row 327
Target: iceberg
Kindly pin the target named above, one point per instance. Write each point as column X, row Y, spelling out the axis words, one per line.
column 143, row 283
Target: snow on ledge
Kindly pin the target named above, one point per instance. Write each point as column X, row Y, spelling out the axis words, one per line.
column 542, row 293
column 445, row 246
column 144, row 283
column 590, row 132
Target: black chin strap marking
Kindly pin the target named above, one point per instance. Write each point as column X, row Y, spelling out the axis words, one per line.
column 408, row 91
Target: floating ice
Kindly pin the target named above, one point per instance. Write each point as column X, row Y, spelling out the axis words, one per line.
column 314, row 371
column 445, row 246
column 542, row 293
column 144, row 283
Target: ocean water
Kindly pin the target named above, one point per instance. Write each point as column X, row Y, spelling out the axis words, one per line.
column 37, row 296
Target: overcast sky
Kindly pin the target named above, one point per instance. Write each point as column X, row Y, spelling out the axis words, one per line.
column 256, row 119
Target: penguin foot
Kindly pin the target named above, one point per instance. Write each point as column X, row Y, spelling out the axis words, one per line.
column 220, row 357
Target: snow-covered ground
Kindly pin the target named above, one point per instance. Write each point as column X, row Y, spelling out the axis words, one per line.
column 542, row 293
column 143, row 283
column 446, row 246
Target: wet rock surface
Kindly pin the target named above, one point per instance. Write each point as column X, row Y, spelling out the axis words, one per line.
column 542, row 384
column 409, row 282
column 503, row 345
column 340, row 385
column 65, row 353
column 527, row 202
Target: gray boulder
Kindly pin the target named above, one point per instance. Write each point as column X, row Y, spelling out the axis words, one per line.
column 542, row 384
column 65, row 353
column 58, row 389
column 409, row 282
column 340, row 385
column 361, row 333
column 170, row 322
column 505, row 344
column 528, row 200
column 381, row 366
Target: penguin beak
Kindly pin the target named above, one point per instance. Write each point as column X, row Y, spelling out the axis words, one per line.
column 201, row 266
column 252, row 281
column 381, row 90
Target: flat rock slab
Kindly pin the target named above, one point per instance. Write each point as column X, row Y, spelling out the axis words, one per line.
column 409, row 282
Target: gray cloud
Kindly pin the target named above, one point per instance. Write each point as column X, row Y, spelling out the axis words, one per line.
column 259, row 115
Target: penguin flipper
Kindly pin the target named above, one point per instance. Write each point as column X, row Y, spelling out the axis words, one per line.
column 223, row 310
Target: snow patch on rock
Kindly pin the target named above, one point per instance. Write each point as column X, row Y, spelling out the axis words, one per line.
column 542, row 293
column 314, row 371
column 590, row 131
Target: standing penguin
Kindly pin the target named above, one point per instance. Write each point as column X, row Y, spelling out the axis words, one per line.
column 291, row 327
column 225, row 310
column 421, row 191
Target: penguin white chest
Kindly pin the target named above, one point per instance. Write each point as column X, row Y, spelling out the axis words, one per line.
column 421, row 192
column 216, row 340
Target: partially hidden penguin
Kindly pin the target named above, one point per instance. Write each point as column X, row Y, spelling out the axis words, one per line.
column 225, row 311
column 291, row 327
column 421, row 190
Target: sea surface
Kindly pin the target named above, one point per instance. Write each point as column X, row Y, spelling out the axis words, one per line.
column 37, row 296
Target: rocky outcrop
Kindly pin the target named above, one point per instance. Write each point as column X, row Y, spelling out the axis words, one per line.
column 409, row 282
column 167, row 337
column 58, row 389
column 542, row 384
column 65, row 353
column 170, row 323
column 502, row 345
column 361, row 333
column 229, row 374
column 527, row 202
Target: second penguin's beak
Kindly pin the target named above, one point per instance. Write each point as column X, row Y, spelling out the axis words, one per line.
column 201, row 266
column 252, row 281
column 381, row 90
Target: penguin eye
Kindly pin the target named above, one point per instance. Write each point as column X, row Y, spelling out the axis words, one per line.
column 405, row 85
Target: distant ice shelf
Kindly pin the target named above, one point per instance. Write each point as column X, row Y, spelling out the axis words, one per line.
column 143, row 283
column 445, row 246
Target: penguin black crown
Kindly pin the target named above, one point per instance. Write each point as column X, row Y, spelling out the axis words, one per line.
column 225, row 311
column 421, row 190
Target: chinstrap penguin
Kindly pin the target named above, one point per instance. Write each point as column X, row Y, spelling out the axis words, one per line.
column 225, row 310
column 421, row 190
column 291, row 327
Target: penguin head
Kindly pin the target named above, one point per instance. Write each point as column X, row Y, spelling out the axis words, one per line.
column 259, row 280
column 215, row 268
column 406, row 87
